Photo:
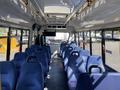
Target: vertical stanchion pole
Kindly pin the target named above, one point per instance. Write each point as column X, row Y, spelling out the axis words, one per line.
column 78, row 39
column 103, row 45
column 112, row 34
column 90, row 42
column 21, row 40
column 75, row 38
column 83, row 40
column 8, row 44
column 16, row 32
column 28, row 38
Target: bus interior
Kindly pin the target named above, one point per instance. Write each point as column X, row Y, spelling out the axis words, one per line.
column 59, row 44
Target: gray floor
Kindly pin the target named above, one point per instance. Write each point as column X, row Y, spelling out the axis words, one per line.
column 57, row 79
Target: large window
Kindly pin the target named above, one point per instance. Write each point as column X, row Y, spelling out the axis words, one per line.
column 25, row 40
column 15, row 35
column 113, row 50
column 16, row 41
column 3, row 43
column 96, row 43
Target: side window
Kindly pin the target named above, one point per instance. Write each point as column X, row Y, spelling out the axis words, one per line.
column 113, row 51
column 25, row 40
column 15, row 35
column 3, row 43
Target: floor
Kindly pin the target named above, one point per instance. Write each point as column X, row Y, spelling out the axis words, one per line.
column 57, row 79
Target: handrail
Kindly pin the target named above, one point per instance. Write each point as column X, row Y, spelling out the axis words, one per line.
column 39, row 8
column 4, row 23
column 82, row 7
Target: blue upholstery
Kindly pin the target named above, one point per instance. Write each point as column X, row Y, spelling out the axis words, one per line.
column 32, row 49
column 64, row 50
column 63, row 44
column 67, row 55
column 77, row 49
column 73, row 45
column 31, row 77
column 42, row 58
column 19, row 56
column 19, row 60
column 72, row 69
column 95, row 61
column 35, row 47
column 97, row 81
column 8, row 75
column 47, row 51
column 28, row 51
column 84, row 54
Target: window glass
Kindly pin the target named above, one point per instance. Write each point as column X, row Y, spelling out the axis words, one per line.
column 25, row 40
column 96, row 43
column 14, row 43
column 3, row 43
column 113, row 52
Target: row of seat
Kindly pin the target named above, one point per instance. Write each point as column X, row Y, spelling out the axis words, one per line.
column 78, row 61
column 86, row 72
column 28, row 70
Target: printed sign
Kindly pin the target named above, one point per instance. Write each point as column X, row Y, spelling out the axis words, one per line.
column 109, row 51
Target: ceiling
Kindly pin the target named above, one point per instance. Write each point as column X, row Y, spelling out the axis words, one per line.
column 100, row 14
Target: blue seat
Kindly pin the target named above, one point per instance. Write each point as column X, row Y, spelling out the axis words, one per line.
column 95, row 64
column 76, row 66
column 35, row 47
column 47, row 51
column 66, row 57
column 8, row 75
column 28, row 51
column 68, row 52
column 64, row 50
column 19, row 60
column 32, row 49
column 62, row 45
column 72, row 69
column 84, row 55
column 42, row 58
column 77, row 49
column 71, row 45
column 31, row 77
column 99, row 81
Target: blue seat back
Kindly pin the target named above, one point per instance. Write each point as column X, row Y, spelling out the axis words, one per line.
column 84, row 54
column 95, row 64
column 42, row 58
column 68, row 52
column 47, row 51
column 62, row 45
column 31, row 77
column 8, row 75
column 28, row 51
column 19, row 60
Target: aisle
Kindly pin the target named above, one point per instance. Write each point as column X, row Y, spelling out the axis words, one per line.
column 57, row 79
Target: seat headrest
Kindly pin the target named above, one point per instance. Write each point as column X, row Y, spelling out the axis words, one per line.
column 32, row 58
column 75, row 53
column 19, row 56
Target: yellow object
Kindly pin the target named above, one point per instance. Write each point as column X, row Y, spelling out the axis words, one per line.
column 3, row 45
